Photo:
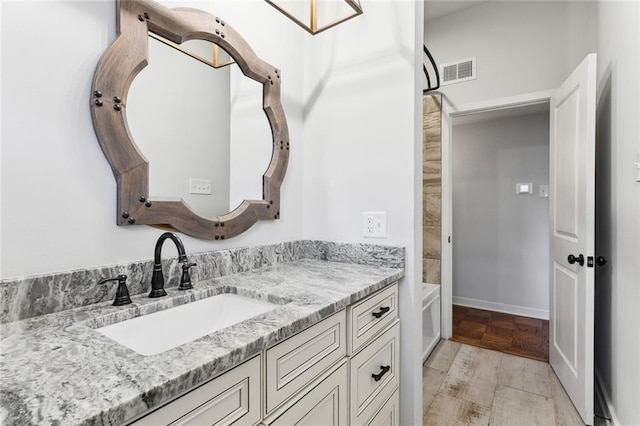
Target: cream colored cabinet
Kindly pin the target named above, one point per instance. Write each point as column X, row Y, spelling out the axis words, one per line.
column 325, row 403
column 374, row 375
column 231, row 398
column 389, row 414
column 374, row 347
column 342, row 370
column 295, row 362
column 370, row 373
column 369, row 317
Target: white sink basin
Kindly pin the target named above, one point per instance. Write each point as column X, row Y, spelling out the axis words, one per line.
column 158, row 332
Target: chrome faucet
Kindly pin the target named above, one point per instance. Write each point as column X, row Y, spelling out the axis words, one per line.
column 157, row 280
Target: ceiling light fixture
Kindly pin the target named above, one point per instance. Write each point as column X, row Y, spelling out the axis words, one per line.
column 316, row 16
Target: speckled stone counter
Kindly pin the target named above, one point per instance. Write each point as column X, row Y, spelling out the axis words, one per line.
column 56, row 369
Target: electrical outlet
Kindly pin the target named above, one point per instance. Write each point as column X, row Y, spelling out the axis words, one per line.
column 368, row 225
column 374, row 224
column 200, row 186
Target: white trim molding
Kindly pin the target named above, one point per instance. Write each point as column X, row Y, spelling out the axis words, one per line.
column 446, row 216
column 495, row 104
column 502, row 307
column 604, row 401
column 449, row 111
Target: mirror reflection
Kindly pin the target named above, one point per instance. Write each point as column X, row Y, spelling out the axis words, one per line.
column 202, row 129
column 202, row 50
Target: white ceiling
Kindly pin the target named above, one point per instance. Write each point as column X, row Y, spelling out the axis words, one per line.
column 434, row 9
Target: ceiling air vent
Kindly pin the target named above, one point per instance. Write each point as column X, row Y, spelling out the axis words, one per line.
column 458, row 71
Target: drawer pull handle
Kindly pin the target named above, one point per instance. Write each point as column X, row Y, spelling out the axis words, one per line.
column 383, row 310
column 383, row 371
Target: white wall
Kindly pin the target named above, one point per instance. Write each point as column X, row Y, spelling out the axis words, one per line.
column 363, row 150
column 58, row 193
column 500, row 238
column 362, row 107
column 545, row 41
column 618, row 208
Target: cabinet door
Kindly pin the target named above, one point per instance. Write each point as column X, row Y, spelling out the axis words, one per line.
column 374, row 375
column 230, row 399
column 368, row 318
column 323, row 405
column 297, row 361
column 389, row 414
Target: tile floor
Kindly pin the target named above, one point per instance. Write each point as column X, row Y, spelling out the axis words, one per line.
column 467, row 385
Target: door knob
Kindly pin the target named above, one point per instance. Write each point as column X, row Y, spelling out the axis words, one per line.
column 573, row 259
column 601, row 261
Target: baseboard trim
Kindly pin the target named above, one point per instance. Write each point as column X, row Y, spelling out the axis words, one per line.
column 604, row 400
column 501, row 307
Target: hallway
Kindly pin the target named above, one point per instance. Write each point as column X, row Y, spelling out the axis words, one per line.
column 467, row 385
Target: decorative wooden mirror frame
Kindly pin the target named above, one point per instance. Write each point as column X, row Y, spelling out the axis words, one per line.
column 115, row 72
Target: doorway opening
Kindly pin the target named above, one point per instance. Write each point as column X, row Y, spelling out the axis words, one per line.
column 571, row 231
column 499, row 176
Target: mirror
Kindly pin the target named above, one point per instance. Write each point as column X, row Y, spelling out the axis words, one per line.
column 167, row 136
column 188, row 117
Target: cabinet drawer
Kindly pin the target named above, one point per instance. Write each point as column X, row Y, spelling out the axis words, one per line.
column 389, row 414
column 325, row 404
column 292, row 364
column 369, row 317
column 374, row 375
column 230, row 399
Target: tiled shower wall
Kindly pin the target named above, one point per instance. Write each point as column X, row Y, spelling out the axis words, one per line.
column 432, row 188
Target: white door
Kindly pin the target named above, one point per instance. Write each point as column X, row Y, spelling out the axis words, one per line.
column 572, row 180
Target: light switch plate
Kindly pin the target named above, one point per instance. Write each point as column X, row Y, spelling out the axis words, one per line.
column 200, row 186
column 524, row 188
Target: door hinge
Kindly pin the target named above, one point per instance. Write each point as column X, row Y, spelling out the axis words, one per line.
column 590, row 261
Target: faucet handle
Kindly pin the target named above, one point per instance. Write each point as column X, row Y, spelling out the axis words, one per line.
column 185, row 280
column 122, row 293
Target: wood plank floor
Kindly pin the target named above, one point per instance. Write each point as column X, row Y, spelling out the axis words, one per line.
column 467, row 385
column 511, row 334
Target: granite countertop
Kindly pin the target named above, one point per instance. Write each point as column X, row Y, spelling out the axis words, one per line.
column 55, row 369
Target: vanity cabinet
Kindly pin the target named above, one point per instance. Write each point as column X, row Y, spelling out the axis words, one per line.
column 368, row 317
column 342, row 370
column 295, row 362
column 232, row 398
column 324, row 404
column 389, row 414
column 374, row 375
column 362, row 388
column 374, row 349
